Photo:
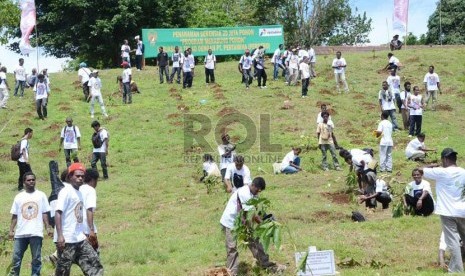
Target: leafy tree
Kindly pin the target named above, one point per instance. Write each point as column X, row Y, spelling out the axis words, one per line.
column 411, row 39
column 452, row 13
column 353, row 31
column 9, row 21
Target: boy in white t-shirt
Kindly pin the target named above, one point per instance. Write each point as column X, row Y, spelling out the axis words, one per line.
column 379, row 192
column 305, row 74
column 70, row 138
column 125, row 50
column 187, row 72
column 42, row 91
column 89, row 197
column 28, row 218
column 100, row 153
column 416, row 149
column 291, row 162
column 210, row 64
column 95, row 84
column 386, row 144
column 418, row 195
column 20, row 78
column 126, row 78
column 4, row 95
column 176, row 58
column 432, row 86
column 339, row 65
column 237, row 175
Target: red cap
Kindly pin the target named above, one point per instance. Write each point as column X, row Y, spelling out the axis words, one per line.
column 75, row 167
column 124, row 64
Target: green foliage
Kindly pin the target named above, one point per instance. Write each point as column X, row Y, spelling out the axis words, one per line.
column 9, row 20
column 353, row 31
column 212, row 182
column 447, row 23
column 351, row 182
column 302, row 265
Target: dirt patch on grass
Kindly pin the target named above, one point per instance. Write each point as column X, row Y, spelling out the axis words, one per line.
column 64, row 108
column 325, row 91
column 226, row 110
column 235, row 138
column 358, row 96
column 445, row 107
column 177, row 123
column 54, row 126
column 369, row 106
column 5, row 156
column 354, row 132
column 282, row 95
column 219, row 96
column 338, row 197
column 292, row 129
column 25, row 122
column 345, row 123
column 45, row 142
column 51, row 154
column 356, row 142
column 56, row 89
column 183, row 108
column 413, row 59
column 173, row 90
column 287, row 104
column 173, row 115
column 215, row 85
column 217, row 271
column 327, row 216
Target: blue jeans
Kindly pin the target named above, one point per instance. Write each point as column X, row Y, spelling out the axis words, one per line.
column 20, row 247
column 392, row 114
column 276, row 71
column 290, row 169
column 19, row 86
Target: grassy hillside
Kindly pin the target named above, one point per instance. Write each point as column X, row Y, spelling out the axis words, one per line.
column 154, row 217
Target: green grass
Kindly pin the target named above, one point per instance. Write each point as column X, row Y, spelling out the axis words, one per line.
column 154, row 217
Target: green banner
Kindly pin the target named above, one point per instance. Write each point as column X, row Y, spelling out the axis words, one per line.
column 222, row 40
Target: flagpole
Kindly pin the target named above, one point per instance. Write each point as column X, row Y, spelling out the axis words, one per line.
column 406, row 25
column 37, row 46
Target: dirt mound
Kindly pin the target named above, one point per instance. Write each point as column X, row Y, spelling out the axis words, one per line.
column 358, row 96
column 219, row 96
column 445, row 107
column 177, row 123
column 173, row 115
column 325, row 91
column 226, row 110
column 292, row 129
column 51, row 154
column 338, row 197
column 413, row 59
column 369, row 106
column 356, row 142
column 173, row 90
column 64, row 108
column 54, row 126
column 327, row 216
column 217, row 271
column 183, row 108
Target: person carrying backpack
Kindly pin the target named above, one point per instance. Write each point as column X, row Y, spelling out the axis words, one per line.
column 100, row 140
column 23, row 161
column 70, row 140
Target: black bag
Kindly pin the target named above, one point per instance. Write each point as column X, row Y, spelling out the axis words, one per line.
column 96, row 141
column 357, row 216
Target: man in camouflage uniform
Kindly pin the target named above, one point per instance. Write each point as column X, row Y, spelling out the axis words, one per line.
column 71, row 242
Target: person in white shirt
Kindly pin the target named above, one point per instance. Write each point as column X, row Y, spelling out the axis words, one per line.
column 418, row 195
column 70, row 138
column 209, row 167
column 126, row 78
column 245, row 67
column 261, row 72
column 362, row 162
column 23, row 161
column 191, row 62
column 378, row 193
column 312, row 58
column 69, row 236
column 237, row 175
column 432, row 86
column 20, row 78
column 404, row 95
column 42, row 93
column 84, row 76
column 95, row 84
column 125, row 50
column 176, row 59
column 416, row 149
column 415, row 103
column 28, row 219
column 291, row 162
column 305, row 74
column 4, row 95
column 276, row 60
column 292, row 67
column 339, row 65
column 386, row 103
column 386, row 144
column 237, row 203
column 187, row 72
column 393, row 63
column 210, row 64
column 394, row 85
column 140, row 49
column 227, row 152
column 89, row 199
column 100, row 153
column 450, row 206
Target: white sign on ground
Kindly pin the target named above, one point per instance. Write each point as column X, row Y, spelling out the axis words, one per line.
column 318, row 263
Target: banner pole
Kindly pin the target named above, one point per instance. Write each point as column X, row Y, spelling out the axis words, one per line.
column 37, row 45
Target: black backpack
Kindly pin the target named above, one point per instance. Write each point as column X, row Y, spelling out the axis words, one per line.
column 96, row 141
column 16, row 151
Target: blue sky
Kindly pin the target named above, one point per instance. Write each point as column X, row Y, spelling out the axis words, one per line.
column 378, row 10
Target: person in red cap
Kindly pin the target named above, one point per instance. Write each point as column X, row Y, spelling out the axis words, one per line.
column 70, row 239
column 126, row 78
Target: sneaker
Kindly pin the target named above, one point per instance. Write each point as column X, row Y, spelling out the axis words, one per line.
column 325, row 169
column 92, row 116
column 247, row 87
column 264, row 86
column 106, row 115
column 53, row 259
column 338, row 169
column 4, row 107
column 410, row 136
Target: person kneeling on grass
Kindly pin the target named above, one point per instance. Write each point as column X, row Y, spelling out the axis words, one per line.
column 291, row 162
column 364, row 165
column 209, row 167
column 416, row 149
column 418, row 195
column 379, row 192
column 236, row 203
